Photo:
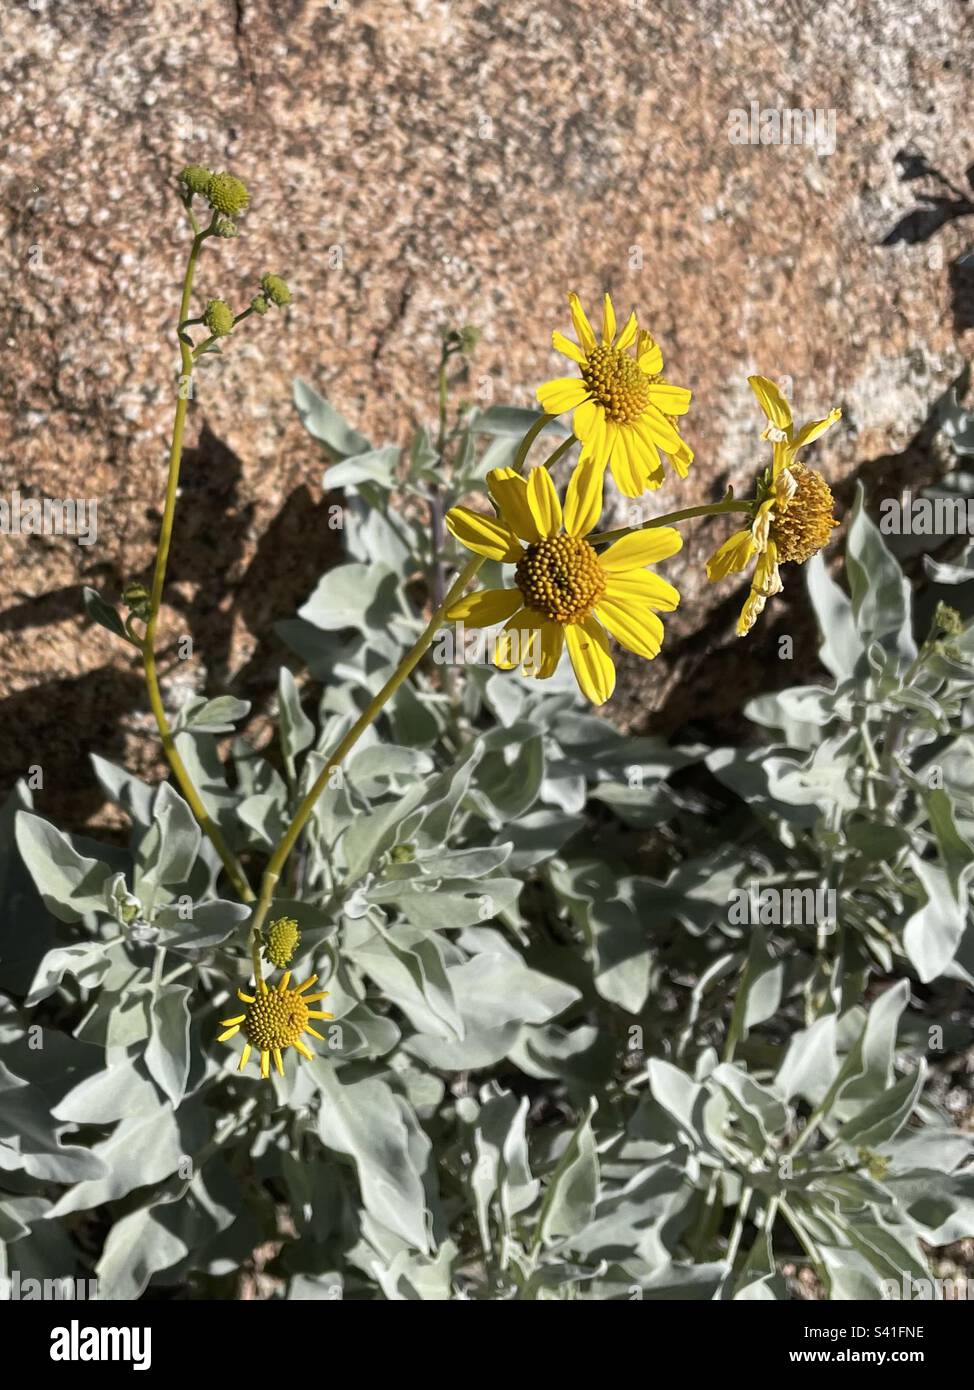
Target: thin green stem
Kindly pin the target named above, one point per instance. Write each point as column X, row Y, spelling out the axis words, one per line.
column 180, row 771
column 301, row 816
column 707, row 509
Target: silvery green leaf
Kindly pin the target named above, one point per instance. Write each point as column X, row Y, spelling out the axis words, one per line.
column 353, row 595
column 324, row 422
column 572, row 1190
column 880, row 1121
column 207, row 924
column 167, row 1051
column 70, row 884
column 138, row 1246
column 416, row 977
column 101, row 612
column 117, row 1093
column 515, row 420
column 169, row 848
column 133, row 795
column 142, row 1150
column 933, row 933
column 811, row 1063
column 86, row 962
column 216, row 716
column 633, row 1219
column 881, row 597
column 958, row 571
column 363, row 1120
column 375, row 466
column 752, row 1102
column 842, row 646
column 849, row 1274
column 868, row 1067
column 265, row 816
column 297, row 732
column 442, row 904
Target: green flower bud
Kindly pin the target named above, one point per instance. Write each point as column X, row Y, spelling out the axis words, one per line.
column 227, row 194
column 281, row 940
column 218, row 317
column 276, row 290
column 259, row 304
column 876, row 1165
column 948, row 619
column 196, row 179
column 226, row 228
column 137, row 599
column 469, row 337
column 402, row 854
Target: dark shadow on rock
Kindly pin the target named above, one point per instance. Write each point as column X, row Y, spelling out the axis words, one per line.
column 938, row 209
column 56, row 726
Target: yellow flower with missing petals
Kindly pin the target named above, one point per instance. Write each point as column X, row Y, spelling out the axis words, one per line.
column 793, row 510
column 565, row 593
column 624, row 410
column 274, row 1020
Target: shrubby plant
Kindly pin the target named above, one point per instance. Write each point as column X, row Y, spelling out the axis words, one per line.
column 576, row 1014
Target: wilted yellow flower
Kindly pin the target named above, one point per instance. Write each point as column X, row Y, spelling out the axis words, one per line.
column 793, row 511
column 625, row 412
column 564, row 591
column 274, row 1020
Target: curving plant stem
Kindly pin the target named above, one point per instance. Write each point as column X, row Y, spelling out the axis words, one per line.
column 147, row 643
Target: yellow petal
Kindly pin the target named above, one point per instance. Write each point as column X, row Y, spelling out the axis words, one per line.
column 486, row 608
column 544, row 503
column 245, row 1056
column 483, row 535
column 654, row 424
column 596, row 445
column 586, row 418
column 682, row 458
column 583, row 329
column 771, row 401
column 814, row 428
column 319, row 1013
column 509, row 493
column 648, row 354
column 552, row 643
column 564, row 393
column 734, row 555
column 640, row 631
column 247, row 998
column 306, row 1053
column 608, row 319
column 519, row 642
column 265, row 1064
column 299, row 989
column 583, row 498
column 285, row 981
column 628, row 334
column 277, row 1061
column 642, row 587
column 226, row 1022
column 641, row 548
column 588, row 649
column 671, row 400
column 230, row 1033
column 568, row 349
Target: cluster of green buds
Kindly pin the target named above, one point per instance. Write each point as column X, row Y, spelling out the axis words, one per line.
column 463, row 339
column 273, row 290
column 226, row 194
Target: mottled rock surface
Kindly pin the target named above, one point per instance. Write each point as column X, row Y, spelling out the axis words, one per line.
column 464, row 163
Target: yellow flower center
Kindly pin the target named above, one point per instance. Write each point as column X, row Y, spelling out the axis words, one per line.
column 561, row 578
column 803, row 524
column 276, row 1020
column 616, row 382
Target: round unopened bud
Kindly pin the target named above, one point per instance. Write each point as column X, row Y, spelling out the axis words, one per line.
column 218, row 317
column 281, row 940
column 227, row 194
column 225, row 227
column 137, row 599
column 196, row 179
column 402, row 854
column 948, row 619
column 259, row 304
column 276, row 290
column 469, row 337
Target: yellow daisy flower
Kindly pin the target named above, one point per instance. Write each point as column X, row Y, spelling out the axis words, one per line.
column 564, row 592
column 793, row 510
column 625, row 411
column 274, row 1020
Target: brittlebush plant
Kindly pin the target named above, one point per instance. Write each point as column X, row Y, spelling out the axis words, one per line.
column 558, row 1059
